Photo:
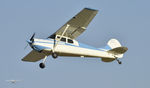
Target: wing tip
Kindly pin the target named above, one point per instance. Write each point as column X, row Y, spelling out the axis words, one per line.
column 27, row 60
column 23, row 60
column 90, row 9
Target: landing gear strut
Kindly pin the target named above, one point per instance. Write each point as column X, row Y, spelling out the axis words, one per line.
column 54, row 55
column 119, row 62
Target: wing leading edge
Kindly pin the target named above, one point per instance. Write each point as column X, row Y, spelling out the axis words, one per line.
column 78, row 24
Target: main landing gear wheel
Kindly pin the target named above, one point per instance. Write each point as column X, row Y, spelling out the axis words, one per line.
column 42, row 65
column 54, row 55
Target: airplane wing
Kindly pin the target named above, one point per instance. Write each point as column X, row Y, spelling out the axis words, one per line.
column 77, row 24
column 33, row 56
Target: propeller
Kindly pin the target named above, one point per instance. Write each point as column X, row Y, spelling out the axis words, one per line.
column 30, row 41
column 25, row 46
column 32, row 38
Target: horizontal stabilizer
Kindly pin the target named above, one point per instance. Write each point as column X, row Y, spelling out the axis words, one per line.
column 118, row 50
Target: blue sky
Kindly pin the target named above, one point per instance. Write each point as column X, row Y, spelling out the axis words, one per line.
column 126, row 20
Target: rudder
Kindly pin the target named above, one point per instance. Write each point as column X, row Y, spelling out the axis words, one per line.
column 113, row 43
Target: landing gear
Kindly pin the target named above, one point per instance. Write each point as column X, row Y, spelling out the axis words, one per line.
column 42, row 65
column 54, row 55
column 119, row 62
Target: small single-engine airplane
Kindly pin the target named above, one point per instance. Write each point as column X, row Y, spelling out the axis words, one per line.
column 63, row 43
column 13, row 81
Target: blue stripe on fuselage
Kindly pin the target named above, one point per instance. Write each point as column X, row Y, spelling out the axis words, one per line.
column 87, row 46
column 81, row 45
column 39, row 48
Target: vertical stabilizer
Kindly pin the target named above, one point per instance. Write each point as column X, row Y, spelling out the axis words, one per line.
column 113, row 43
column 116, row 48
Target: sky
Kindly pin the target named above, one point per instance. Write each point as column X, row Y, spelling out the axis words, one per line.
column 126, row 20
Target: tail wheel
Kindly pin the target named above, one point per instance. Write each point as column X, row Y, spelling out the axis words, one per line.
column 119, row 62
column 54, row 55
column 42, row 65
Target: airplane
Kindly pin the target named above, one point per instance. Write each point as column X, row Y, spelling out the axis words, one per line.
column 63, row 43
column 13, row 81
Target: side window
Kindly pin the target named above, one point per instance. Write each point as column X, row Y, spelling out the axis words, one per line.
column 58, row 37
column 63, row 39
column 70, row 41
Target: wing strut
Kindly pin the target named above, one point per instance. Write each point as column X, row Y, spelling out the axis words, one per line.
column 56, row 43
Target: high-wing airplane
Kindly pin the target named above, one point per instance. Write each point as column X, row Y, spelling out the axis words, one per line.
column 63, row 43
column 13, row 81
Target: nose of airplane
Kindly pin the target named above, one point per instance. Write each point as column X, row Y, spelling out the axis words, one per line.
column 31, row 40
column 31, row 43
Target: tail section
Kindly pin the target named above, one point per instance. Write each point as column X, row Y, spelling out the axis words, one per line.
column 114, row 47
column 112, row 43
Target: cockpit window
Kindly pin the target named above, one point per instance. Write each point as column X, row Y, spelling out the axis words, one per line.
column 52, row 36
column 63, row 39
column 58, row 37
column 70, row 41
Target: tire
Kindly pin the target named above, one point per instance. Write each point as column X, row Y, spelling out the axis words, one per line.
column 42, row 65
column 54, row 55
column 120, row 62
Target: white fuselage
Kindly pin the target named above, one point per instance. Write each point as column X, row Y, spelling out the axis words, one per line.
column 70, row 49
